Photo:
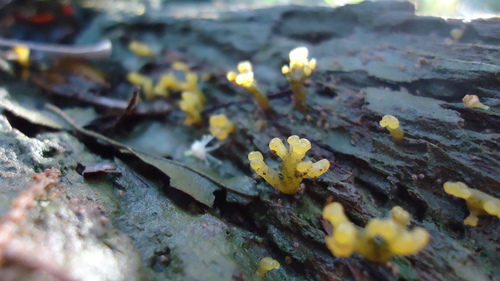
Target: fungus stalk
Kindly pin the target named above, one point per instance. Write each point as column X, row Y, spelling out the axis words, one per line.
column 396, row 239
column 392, row 124
column 293, row 169
column 246, row 80
column 299, row 69
column 478, row 202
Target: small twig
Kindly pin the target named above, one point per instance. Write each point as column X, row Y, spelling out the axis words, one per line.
column 83, row 131
column 97, row 51
column 131, row 105
column 122, row 147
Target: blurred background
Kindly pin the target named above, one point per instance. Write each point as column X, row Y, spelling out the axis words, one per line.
column 466, row 9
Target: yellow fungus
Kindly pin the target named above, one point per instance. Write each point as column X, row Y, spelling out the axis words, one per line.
column 182, row 66
column 472, row 101
column 266, row 264
column 23, row 58
column 293, row 169
column 22, row 55
column 478, row 202
column 220, row 126
column 246, row 80
column 346, row 239
column 144, row 81
column 160, row 91
column 299, row 69
column 169, row 82
column 457, row 33
column 192, row 105
column 392, row 124
column 140, row 49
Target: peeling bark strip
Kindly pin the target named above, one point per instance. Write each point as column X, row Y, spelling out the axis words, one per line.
column 26, row 200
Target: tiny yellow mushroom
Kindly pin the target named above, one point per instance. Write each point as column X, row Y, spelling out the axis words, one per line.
column 266, row 264
column 478, row 202
column 140, row 49
column 299, row 69
column 392, row 124
column 23, row 58
column 457, row 33
column 246, row 80
column 220, row 126
column 472, row 101
column 397, row 240
column 293, row 169
column 22, row 55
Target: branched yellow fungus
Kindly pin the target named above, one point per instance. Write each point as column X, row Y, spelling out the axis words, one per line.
column 380, row 240
column 169, row 82
column 478, row 202
column 246, row 80
column 472, row 101
column 293, row 169
column 392, row 124
column 266, row 264
column 192, row 105
column 144, row 81
column 140, row 49
column 299, row 69
column 220, row 126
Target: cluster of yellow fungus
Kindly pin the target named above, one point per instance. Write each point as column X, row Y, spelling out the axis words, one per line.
column 392, row 124
column 140, row 49
column 293, row 169
column 478, row 202
column 192, row 99
column 380, row 240
column 220, row 126
column 266, row 264
column 472, row 101
column 299, row 69
column 170, row 82
column 246, row 80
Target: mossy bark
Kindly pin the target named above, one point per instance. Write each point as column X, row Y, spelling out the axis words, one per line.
column 373, row 59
